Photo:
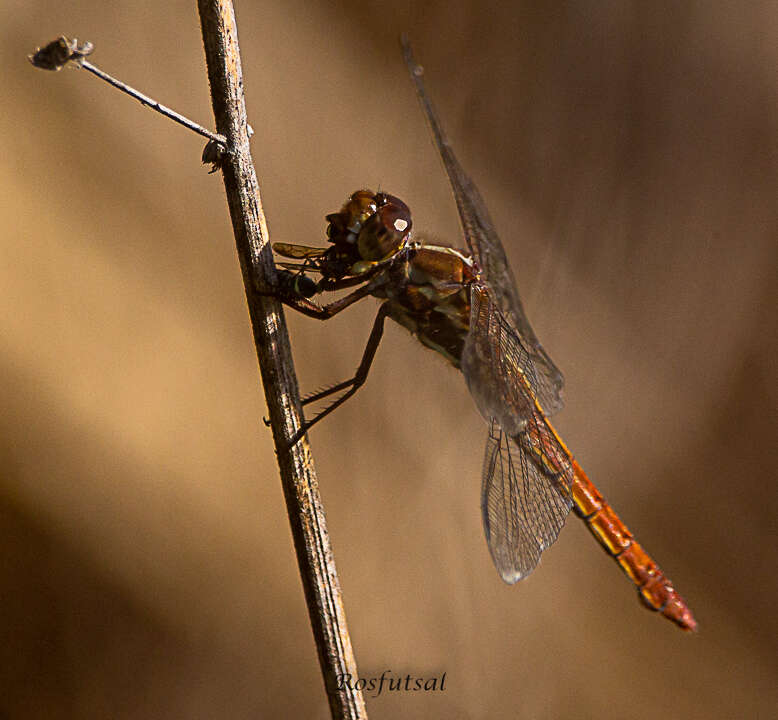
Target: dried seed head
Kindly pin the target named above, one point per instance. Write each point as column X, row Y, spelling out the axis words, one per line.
column 59, row 53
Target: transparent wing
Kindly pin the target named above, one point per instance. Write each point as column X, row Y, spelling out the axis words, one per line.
column 527, row 474
column 524, row 503
column 499, row 365
column 487, row 250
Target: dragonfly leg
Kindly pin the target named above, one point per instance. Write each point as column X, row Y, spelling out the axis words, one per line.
column 352, row 385
column 325, row 312
column 319, row 394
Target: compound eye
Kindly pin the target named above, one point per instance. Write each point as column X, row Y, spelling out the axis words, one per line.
column 397, row 219
column 362, row 198
column 359, row 207
column 385, row 233
column 386, row 199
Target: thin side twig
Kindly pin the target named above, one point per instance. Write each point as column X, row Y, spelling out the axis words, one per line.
column 306, row 515
column 152, row 103
column 67, row 52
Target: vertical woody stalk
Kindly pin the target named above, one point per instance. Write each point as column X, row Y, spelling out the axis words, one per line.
column 306, row 515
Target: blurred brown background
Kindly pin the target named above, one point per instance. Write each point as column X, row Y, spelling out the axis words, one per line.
column 629, row 155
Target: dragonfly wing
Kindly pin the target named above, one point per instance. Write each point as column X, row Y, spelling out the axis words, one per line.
column 497, row 365
column 487, row 250
column 298, row 251
column 500, row 365
column 525, row 491
column 523, row 505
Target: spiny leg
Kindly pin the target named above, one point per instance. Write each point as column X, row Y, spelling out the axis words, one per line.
column 325, row 312
column 311, row 309
column 354, row 383
column 324, row 392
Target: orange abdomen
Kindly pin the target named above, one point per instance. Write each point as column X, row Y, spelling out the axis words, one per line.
column 654, row 588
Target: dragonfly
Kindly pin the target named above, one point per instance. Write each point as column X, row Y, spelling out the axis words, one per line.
column 465, row 306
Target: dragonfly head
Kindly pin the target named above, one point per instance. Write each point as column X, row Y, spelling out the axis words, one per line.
column 371, row 228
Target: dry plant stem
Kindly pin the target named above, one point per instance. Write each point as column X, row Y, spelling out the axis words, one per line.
column 306, row 516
